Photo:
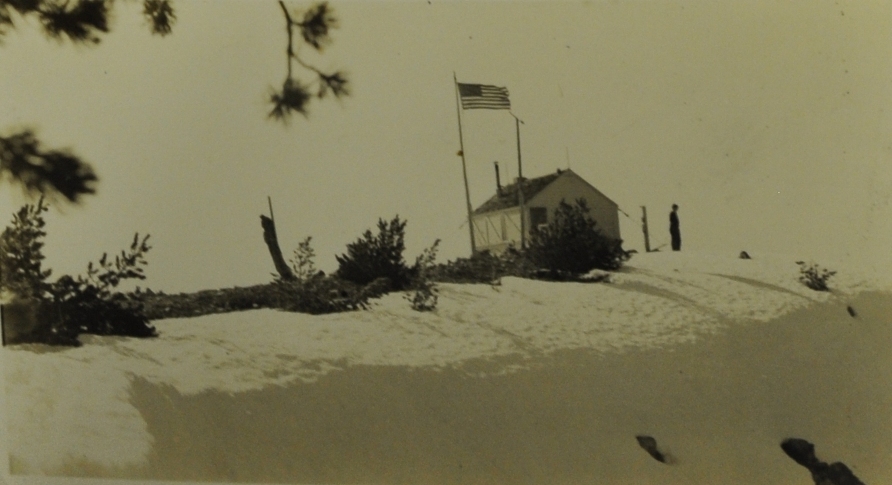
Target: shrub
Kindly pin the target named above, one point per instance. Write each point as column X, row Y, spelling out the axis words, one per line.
column 426, row 293
column 372, row 257
column 350, row 289
column 326, row 294
column 70, row 306
column 483, row 267
column 303, row 263
column 316, row 295
column 21, row 254
column 813, row 276
column 572, row 245
column 158, row 306
column 84, row 308
column 88, row 303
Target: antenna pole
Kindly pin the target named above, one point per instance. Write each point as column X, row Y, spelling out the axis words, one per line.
column 520, row 201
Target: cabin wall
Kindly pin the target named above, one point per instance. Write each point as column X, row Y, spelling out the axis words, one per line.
column 496, row 231
column 571, row 187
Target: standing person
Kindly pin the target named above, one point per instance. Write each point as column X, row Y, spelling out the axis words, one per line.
column 674, row 228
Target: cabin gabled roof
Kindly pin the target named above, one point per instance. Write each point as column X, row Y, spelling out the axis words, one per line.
column 507, row 198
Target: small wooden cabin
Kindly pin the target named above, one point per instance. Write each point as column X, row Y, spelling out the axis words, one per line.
column 497, row 222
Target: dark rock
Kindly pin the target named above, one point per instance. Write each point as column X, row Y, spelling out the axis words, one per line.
column 852, row 311
column 650, row 446
column 744, row 255
column 803, row 453
column 800, row 451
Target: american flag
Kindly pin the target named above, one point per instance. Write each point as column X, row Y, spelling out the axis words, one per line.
column 482, row 96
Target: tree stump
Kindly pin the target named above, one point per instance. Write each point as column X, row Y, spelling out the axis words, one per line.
column 272, row 242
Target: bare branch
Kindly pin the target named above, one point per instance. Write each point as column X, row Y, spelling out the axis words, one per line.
column 289, row 26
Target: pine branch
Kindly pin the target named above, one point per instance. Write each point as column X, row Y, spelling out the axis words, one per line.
column 48, row 172
column 161, row 15
column 81, row 21
column 295, row 95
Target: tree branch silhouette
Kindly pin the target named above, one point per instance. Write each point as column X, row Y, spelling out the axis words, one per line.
column 23, row 161
column 295, row 95
column 60, row 172
column 80, row 21
column 48, row 172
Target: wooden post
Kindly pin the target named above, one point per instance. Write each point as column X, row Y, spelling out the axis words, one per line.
column 644, row 228
column 272, row 242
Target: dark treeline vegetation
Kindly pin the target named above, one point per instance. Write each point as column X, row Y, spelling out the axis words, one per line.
column 373, row 265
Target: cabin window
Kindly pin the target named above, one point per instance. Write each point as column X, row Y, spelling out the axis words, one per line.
column 538, row 217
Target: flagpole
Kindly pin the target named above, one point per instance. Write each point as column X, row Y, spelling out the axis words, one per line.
column 520, row 200
column 464, row 167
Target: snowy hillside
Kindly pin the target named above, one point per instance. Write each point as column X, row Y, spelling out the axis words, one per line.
column 716, row 357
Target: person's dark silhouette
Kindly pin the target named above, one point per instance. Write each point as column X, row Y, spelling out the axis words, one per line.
column 674, row 228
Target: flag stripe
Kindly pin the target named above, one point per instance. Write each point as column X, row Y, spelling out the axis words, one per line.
column 482, row 96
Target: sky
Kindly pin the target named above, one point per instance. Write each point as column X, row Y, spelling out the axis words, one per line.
column 768, row 122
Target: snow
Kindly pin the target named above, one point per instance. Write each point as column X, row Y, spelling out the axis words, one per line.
column 74, row 405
